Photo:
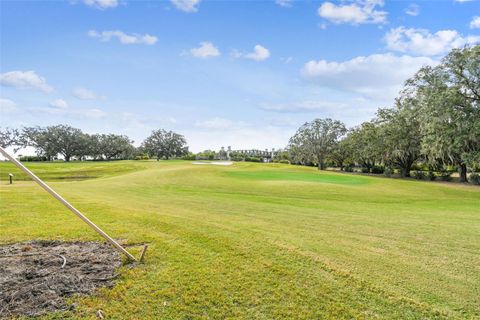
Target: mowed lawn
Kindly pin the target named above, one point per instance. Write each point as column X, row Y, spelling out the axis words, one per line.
column 262, row 241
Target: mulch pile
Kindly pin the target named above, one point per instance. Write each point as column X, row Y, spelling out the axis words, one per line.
column 36, row 277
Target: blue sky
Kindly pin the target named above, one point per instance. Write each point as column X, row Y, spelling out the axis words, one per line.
column 239, row 73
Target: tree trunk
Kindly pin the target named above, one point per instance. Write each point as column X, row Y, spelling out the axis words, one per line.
column 463, row 173
column 405, row 171
column 341, row 166
column 67, row 158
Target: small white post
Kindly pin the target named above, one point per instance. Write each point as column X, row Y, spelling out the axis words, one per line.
column 67, row 204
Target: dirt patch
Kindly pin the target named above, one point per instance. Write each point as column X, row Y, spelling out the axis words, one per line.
column 36, row 277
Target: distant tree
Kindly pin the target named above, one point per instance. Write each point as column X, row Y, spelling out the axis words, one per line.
column 8, row 137
column 315, row 140
column 165, row 144
column 280, row 155
column 205, row 155
column 38, row 138
column 94, row 146
column 449, row 97
column 54, row 140
column 400, row 132
column 115, row 146
column 367, row 145
column 341, row 152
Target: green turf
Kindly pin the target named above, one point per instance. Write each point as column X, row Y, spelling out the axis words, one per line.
column 284, row 175
column 71, row 171
column 265, row 241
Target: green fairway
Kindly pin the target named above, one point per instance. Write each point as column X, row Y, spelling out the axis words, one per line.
column 287, row 175
column 262, row 241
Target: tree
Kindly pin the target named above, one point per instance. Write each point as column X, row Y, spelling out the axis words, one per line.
column 115, row 146
column 449, row 97
column 366, row 144
column 8, row 137
column 54, row 140
column 400, row 132
column 342, row 152
column 315, row 140
column 37, row 138
column 165, row 144
column 94, row 147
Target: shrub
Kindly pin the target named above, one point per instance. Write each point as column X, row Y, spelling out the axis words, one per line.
column 348, row 169
column 284, row 161
column 141, row 156
column 445, row 176
column 378, row 169
column 189, row 156
column 416, row 167
column 253, row 159
column 475, row 178
column 365, row 170
column 388, row 172
column 419, row 175
column 431, row 176
column 33, row 158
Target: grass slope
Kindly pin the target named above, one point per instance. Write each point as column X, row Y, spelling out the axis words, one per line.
column 256, row 241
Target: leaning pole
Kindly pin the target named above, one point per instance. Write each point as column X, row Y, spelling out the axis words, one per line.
column 67, row 204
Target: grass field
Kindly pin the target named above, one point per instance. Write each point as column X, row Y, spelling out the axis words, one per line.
column 262, row 241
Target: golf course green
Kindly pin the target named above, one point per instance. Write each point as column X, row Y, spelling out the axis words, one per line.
column 260, row 241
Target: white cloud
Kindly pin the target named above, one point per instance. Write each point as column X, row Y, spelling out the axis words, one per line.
column 186, row 5
column 215, row 124
column 84, row 94
column 413, row 10
column 475, row 23
column 59, row 103
column 101, row 4
column 124, row 38
column 25, row 80
column 92, row 113
column 357, row 12
column 422, row 42
column 284, row 3
column 206, row 49
column 462, row 1
column 259, row 53
column 7, row 105
column 378, row 76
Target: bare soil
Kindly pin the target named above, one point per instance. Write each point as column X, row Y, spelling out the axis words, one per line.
column 36, row 277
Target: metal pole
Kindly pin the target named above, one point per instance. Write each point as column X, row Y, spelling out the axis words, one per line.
column 67, row 204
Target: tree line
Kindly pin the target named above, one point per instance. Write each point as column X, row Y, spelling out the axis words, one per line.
column 69, row 142
column 435, row 121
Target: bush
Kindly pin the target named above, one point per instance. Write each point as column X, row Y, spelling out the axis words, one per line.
column 33, row 158
column 348, row 169
column 445, row 176
column 378, row 169
column 284, row 161
column 475, row 178
column 419, row 175
column 253, row 159
column 141, row 156
column 388, row 172
column 431, row 176
column 189, row 156
column 365, row 170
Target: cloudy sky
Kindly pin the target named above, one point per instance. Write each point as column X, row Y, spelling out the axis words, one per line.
column 239, row 73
